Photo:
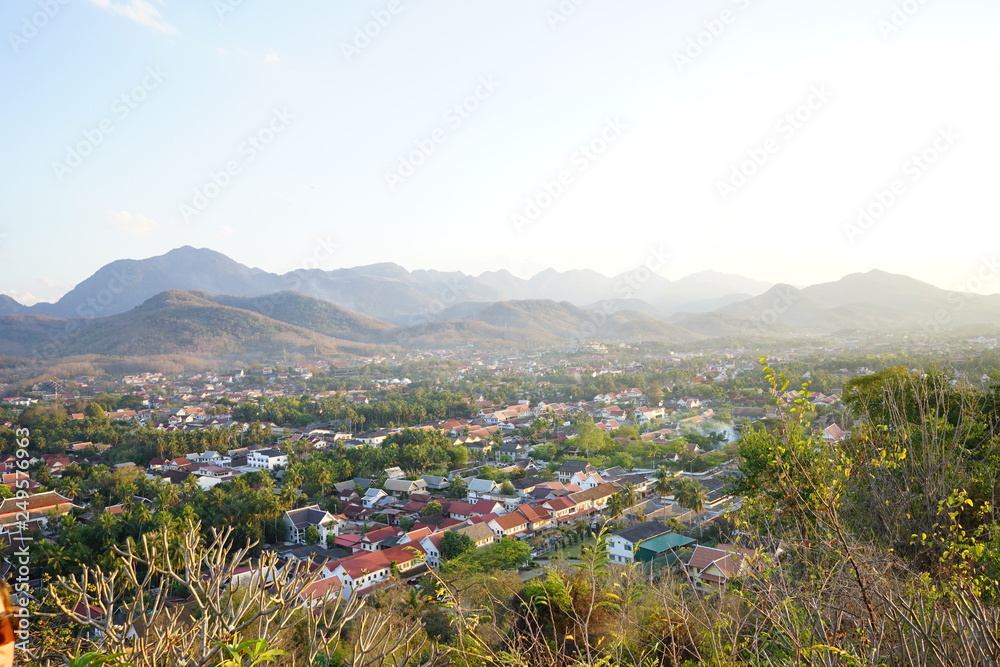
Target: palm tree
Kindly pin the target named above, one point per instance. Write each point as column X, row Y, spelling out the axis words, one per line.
column 71, row 487
column 691, row 494
column 167, row 496
column 106, row 528
column 662, row 486
column 616, row 504
column 629, row 494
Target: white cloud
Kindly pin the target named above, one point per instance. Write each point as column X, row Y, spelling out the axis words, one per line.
column 224, row 232
column 271, row 57
column 23, row 298
column 222, row 51
column 135, row 225
column 140, row 11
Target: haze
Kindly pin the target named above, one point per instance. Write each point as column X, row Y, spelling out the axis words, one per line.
column 268, row 130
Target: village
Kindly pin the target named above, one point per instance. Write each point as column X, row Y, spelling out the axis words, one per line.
column 647, row 469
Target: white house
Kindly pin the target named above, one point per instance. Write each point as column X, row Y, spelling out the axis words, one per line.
column 297, row 520
column 621, row 547
column 268, row 459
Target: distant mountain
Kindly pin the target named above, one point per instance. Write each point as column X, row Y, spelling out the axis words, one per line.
column 9, row 306
column 873, row 301
column 173, row 322
column 126, row 283
column 384, row 303
column 383, row 291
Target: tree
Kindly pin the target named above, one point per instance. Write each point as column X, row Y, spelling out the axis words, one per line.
column 312, row 535
column 96, row 414
column 432, row 508
column 507, row 554
column 507, row 488
column 690, row 493
column 274, row 610
column 455, row 544
column 662, row 486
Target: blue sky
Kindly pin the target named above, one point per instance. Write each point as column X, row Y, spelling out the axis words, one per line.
column 746, row 136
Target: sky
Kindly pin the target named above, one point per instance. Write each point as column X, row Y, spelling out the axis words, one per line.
column 785, row 140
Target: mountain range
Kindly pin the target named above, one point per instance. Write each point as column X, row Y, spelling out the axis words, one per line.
column 202, row 303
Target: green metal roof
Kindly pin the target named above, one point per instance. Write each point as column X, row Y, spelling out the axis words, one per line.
column 665, row 542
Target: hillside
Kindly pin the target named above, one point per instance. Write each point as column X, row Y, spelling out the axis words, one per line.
column 309, row 313
column 172, row 322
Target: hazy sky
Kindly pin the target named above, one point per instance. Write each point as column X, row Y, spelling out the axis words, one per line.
column 741, row 136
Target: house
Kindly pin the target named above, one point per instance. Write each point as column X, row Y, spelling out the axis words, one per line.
column 509, row 525
column 321, row 592
column 480, row 488
column 585, row 481
column 373, row 497
column 484, row 507
column 18, row 514
column 435, row 483
column 833, row 433
column 460, row 510
column 432, row 547
column 538, row 518
column 711, row 568
column 559, row 508
column 621, row 547
column 298, row 520
column 362, row 570
column 662, row 549
column 526, row 485
column 267, row 459
column 480, row 533
column 571, row 467
column 594, row 499
column 400, row 487
column 373, row 539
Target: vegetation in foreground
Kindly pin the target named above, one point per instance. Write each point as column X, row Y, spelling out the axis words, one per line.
column 880, row 550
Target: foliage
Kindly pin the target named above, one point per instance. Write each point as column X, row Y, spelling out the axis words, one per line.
column 455, row 544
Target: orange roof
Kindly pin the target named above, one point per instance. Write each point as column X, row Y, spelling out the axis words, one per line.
column 511, row 521
column 322, row 589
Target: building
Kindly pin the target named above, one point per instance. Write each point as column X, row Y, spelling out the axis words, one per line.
column 267, row 459
column 712, row 568
column 623, row 543
column 662, row 549
column 297, row 520
column 20, row 514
